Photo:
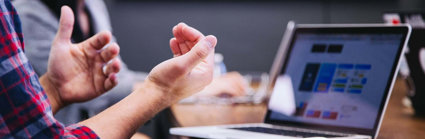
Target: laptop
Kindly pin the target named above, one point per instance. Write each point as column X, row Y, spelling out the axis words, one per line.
column 330, row 81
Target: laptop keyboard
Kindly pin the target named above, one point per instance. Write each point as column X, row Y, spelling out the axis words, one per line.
column 285, row 132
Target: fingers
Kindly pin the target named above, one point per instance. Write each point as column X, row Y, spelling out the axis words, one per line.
column 183, row 33
column 98, row 41
column 92, row 45
column 111, row 82
column 110, row 72
column 237, row 81
column 184, row 48
column 175, row 47
column 230, row 84
column 241, row 86
column 177, row 33
column 189, row 33
column 185, row 39
column 66, row 24
column 110, row 52
column 201, row 51
column 112, row 67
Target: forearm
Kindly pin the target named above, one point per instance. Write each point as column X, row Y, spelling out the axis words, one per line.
column 124, row 118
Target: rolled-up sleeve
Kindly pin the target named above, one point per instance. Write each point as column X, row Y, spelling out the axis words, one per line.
column 25, row 111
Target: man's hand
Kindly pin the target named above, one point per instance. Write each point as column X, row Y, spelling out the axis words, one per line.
column 185, row 39
column 79, row 72
column 191, row 69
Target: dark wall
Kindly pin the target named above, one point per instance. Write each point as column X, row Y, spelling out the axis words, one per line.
column 248, row 32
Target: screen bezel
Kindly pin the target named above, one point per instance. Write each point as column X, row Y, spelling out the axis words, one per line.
column 351, row 29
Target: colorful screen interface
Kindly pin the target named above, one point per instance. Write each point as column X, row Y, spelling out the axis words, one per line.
column 340, row 79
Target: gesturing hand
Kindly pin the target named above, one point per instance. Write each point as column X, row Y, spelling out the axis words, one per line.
column 192, row 67
column 230, row 84
column 185, row 38
column 75, row 71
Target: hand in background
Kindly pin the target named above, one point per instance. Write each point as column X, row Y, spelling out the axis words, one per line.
column 75, row 71
column 192, row 67
column 231, row 84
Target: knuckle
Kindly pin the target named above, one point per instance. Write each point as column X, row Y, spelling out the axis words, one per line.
column 201, row 52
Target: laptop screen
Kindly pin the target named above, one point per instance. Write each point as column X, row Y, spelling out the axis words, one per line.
column 340, row 76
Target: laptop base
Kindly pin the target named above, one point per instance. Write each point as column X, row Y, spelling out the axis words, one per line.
column 229, row 131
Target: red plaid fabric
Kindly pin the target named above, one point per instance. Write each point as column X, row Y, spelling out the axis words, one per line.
column 25, row 111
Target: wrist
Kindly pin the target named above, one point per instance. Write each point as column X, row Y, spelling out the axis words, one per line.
column 155, row 90
column 52, row 93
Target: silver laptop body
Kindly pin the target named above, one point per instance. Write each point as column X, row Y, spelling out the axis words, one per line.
column 340, row 79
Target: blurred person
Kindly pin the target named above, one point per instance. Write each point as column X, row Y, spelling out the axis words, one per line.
column 82, row 71
column 40, row 22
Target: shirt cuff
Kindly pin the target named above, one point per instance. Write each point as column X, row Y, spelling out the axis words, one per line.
column 78, row 131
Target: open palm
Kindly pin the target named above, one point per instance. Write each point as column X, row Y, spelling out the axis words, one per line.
column 76, row 70
column 191, row 68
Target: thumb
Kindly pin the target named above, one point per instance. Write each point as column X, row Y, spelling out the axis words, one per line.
column 199, row 52
column 66, row 24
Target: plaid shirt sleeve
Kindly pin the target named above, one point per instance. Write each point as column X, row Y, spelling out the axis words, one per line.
column 25, row 111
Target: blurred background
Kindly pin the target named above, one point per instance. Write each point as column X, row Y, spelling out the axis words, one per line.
column 248, row 31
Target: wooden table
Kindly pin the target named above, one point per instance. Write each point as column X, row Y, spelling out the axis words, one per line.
column 399, row 122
